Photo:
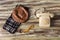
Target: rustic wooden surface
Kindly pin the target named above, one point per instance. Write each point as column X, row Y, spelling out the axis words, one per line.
column 52, row 33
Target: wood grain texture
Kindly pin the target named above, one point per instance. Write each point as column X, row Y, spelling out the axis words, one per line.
column 52, row 33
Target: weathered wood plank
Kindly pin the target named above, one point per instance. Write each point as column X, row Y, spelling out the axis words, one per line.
column 52, row 33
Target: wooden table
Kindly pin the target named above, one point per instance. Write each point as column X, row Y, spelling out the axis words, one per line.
column 52, row 33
